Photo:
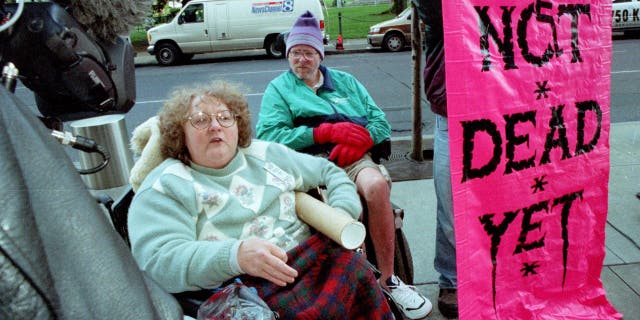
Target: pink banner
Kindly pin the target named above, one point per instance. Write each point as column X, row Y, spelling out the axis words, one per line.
column 528, row 85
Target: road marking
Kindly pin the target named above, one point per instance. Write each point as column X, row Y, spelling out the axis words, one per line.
column 268, row 71
column 165, row 100
column 150, row 101
column 625, row 71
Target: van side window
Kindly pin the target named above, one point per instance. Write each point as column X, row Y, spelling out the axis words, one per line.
column 193, row 13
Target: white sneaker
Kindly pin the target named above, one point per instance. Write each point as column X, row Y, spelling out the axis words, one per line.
column 409, row 301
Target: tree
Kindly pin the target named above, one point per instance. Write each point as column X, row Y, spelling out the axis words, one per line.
column 398, row 6
column 159, row 6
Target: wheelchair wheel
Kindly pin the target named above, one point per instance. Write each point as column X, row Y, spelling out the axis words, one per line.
column 403, row 261
column 402, row 258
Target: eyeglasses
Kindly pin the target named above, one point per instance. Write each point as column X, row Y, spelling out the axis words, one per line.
column 306, row 54
column 202, row 121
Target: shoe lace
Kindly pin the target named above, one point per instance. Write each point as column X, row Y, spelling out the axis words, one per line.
column 404, row 292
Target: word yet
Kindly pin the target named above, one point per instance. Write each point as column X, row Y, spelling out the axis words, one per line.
column 496, row 230
column 542, row 10
column 556, row 127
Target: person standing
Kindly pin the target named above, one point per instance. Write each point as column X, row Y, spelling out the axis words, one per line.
column 327, row 112
column 430, row 12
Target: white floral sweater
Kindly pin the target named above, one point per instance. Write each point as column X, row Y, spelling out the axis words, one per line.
column 186, row 222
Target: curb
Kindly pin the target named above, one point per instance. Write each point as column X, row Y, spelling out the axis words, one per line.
column 345, row 51
column 356, row 46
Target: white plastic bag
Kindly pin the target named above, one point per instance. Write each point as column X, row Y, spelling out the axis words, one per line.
column 235, row 301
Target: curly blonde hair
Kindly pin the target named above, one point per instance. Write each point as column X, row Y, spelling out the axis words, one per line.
column 175, row 111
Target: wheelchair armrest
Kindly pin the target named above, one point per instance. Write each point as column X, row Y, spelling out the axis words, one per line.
column 105, row 200
column 119, row 213
column 381, row 150
column 317, row 192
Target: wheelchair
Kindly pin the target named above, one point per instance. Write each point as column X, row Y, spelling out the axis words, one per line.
column 190, row 301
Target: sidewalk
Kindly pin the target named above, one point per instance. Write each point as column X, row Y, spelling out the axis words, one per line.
column 621, row 271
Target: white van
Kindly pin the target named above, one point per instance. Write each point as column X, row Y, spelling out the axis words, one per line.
column 626, row 15
column 204, row 26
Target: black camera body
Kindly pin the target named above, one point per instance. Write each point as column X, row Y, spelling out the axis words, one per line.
column 72, row 75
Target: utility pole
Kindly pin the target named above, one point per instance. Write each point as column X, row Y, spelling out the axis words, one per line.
column 416, row 56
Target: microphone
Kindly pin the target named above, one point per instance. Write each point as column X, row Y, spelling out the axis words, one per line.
column 87, row 145
column 77, row 142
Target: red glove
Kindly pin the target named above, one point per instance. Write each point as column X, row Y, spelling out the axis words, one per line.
column 342, row 133
column 344, row 154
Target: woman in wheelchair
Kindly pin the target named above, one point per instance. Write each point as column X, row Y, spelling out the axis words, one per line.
column 221, row 206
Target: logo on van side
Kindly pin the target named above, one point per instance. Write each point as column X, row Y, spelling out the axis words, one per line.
column 272, row 6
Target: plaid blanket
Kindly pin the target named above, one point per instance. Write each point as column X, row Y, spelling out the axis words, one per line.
column 332, row 283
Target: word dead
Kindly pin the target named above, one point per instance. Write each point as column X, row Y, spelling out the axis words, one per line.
column 556, row 138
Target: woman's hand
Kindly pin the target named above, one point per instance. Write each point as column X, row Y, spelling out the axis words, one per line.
column 261, row 258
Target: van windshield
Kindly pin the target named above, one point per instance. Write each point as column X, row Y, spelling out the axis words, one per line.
column 193, row 13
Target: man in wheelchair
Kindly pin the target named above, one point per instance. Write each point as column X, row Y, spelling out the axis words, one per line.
column 326, row 112
column 222, row 206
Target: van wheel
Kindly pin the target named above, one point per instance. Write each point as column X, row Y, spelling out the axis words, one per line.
column 167, row 54
column 393, row 42
column 274, row 50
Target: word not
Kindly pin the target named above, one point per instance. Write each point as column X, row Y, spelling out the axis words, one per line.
column 540, row 9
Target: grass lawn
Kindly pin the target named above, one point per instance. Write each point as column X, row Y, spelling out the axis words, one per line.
column 139, row 40
column 356, row 21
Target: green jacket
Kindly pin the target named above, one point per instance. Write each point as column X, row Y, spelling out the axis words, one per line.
column 290, row 109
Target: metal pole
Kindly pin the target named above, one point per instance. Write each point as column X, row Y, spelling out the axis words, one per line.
column 9, row 77
column 339, row 22
column 416, row 56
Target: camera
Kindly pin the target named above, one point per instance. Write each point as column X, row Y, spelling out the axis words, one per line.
column 72, row 75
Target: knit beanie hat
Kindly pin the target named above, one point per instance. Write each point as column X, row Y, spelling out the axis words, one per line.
column 306, row 30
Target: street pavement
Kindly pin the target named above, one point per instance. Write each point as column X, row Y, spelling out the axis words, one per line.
column 621, row 271
column 350, row 46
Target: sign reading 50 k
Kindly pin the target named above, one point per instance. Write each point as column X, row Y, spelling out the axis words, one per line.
column 626, row 15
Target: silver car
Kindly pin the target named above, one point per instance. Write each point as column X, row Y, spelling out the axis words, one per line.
column 392, row 35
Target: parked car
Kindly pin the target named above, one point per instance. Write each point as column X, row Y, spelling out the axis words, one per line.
column 392, row 35
column 625, row 15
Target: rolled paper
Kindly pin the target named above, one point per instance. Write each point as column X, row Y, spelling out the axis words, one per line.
column 336, row 225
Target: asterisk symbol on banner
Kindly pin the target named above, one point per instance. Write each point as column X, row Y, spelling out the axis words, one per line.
column 539, row 185
column 528, row 269
column 542, row 89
